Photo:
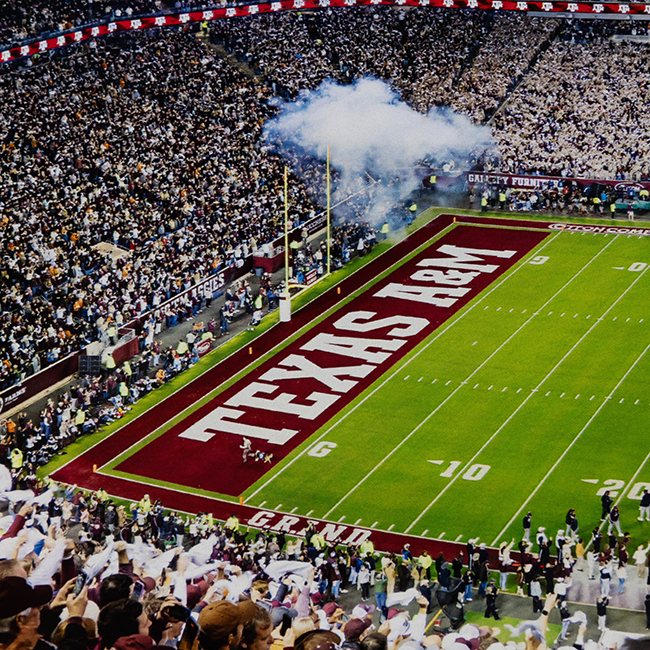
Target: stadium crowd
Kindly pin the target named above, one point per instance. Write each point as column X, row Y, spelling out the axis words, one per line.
column 133, row 165
column 553, row 122
column 578, row 114
column 21, row 20
column 129, row 169
column 78, row 570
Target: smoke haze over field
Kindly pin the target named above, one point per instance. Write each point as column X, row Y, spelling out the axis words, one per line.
column 371, row 131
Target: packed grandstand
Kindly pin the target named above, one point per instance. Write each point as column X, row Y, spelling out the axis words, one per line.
column 134, row 166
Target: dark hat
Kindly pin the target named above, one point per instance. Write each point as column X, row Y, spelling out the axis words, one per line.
column 220, row 619
column 16, row 595
column 317, row 640
column 355, row 627
column 330, row 608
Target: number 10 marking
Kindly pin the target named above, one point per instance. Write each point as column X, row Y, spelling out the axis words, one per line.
column 473, row 473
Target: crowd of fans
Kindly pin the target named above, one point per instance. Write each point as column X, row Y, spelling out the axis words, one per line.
column 78, row 570
column 578, row 114
column 577, row 111
column 130, row 169
column 133, row 165
column 500, row 63
column 27, row 19
column 407, row 48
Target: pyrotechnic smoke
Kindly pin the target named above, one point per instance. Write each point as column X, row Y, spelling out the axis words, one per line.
column 370, row 131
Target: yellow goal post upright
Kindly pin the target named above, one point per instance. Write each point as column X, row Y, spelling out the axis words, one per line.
column 285, row 298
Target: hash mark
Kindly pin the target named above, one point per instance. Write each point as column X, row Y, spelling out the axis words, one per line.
column 476, row 386
column 486, row 307
column 449, row 382
column 519, row 391
column 641, row 321
column 523, row 312
column 561, row 396
column 615, row 317
column 425, row 532
column 342, row 518
column 490, row 388
column 442, row 534
column 278, row 506
column 592, row 397
column 458, row 538
column 475, row 342
column 635, row 403
column 576, row 316
column 309, row 513
column 588, row 317
column 550, row 312
column 498, row 308
column 578, row 395
column 374, row 524
column 562, row 314
column 419, row 380
column 622, row 400
column 292, row 511
column 262, row 504
column 505, row 388
column 547, row 394
column 512, row 310
column 391, row 527
column 357, row 522
column 434, row 381
column 628, row 320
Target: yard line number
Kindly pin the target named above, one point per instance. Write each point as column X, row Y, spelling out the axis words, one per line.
column 614, row 486
column 473, row 473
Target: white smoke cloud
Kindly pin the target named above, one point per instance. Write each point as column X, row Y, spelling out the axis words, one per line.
column 371, row 131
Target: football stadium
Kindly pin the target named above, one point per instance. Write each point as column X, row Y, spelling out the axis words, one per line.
column 324, row 322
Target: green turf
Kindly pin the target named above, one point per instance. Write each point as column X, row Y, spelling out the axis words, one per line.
column 525, row 384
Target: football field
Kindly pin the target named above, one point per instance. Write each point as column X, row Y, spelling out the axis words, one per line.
column 471, row 373
column 535, row 397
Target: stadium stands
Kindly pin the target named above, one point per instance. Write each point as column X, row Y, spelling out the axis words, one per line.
column 133, row 165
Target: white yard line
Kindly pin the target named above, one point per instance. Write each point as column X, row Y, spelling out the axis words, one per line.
column 532, row 392
column 399, row 369
column 460, row 385
column 573, row 442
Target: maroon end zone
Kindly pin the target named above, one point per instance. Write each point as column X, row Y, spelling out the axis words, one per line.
column 148, row 463
column 289, row 397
